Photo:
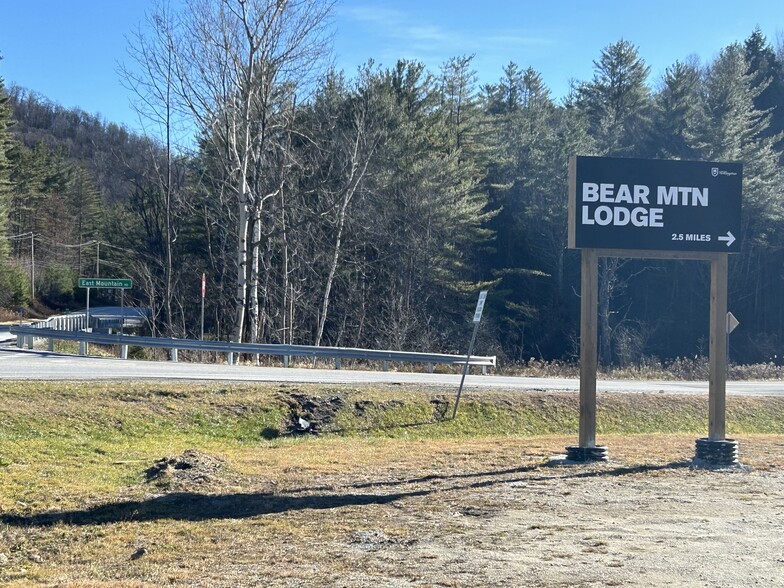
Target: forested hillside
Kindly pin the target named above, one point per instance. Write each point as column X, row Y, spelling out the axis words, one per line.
column 368, row 208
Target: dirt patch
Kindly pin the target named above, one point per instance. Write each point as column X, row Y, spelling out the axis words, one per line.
column 362, row 407
column 311, row 414
column 440, row 408
column 192, row 469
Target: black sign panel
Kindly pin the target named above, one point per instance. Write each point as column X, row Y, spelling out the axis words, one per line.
column 653, row 204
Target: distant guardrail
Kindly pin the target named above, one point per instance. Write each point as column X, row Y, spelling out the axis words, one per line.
column 26, row 334
column 76, row 321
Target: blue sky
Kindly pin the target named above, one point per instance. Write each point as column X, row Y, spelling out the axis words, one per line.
column 69, row 50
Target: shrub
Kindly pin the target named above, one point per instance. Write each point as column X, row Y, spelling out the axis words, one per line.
column 58, row 285
column 14, row 286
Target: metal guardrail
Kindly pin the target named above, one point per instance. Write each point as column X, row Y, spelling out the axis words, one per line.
column 128, row 317
column 26, row 335
column 65, row 322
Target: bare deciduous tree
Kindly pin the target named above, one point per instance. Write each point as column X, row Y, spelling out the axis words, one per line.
column 225, row 60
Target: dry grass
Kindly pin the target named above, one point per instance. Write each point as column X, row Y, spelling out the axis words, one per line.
column 678, row 369
column 344, row 508
column 277, row 515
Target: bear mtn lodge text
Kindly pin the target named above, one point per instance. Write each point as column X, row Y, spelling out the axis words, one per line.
column 632, row 203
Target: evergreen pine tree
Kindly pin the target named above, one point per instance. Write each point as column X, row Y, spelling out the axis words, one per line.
column 429, row 216
column 676, row 108
column 464, row 117
column 617, row 104
column 731, row 128
column 617, row 100
column 6, row 143
column 14, row 285
column 767, row 78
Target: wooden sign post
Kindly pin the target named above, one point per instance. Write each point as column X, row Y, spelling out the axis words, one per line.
column 717, row 384
column 589, row 300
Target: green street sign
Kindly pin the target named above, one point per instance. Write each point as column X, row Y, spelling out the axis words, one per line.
column 105, row 283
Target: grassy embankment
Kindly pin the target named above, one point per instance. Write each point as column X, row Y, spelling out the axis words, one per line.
column 62, row 441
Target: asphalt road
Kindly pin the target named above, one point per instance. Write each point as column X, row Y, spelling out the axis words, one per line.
column 35, row 365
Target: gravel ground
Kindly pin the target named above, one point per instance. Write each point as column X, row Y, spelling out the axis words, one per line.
column 568, row 526
column 475, row 514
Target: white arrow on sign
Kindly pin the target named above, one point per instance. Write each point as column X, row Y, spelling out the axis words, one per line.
column 730, row 238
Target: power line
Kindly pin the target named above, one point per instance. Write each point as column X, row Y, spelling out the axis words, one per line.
column 66, row 245
column 19, row 237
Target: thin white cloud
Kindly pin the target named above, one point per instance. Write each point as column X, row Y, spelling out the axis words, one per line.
column 400, row 34
column 428, row 34
column 406, row 33
column 378, row 15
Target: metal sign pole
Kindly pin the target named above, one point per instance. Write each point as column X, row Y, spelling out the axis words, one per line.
column 480, row 305
column 83, row 345
column 465, row 369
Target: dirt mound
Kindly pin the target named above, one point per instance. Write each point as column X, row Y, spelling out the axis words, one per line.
column 192, row 468
column 311, row 414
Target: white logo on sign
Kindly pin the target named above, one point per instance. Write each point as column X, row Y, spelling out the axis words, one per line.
column 715, row 172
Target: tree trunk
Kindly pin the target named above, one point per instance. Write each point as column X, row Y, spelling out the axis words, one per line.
column 253, row 325
column 332, row 269
column 240, row 301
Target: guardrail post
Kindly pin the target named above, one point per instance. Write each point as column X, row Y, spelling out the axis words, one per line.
column 385, row 366
column 123, row 352
column 50, row 345
column 173, row 355
column 337, row 363
column 230, row 358
column 430, row 367
column 84, row 346
column 285, row 361
column 484, row 370
column 30, row 341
